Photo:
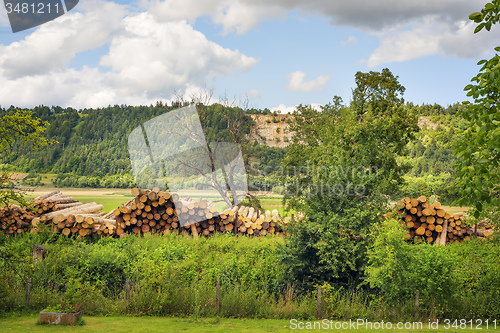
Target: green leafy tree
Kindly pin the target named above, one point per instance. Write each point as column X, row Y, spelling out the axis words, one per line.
column 478, row 149
column 340, row 163
column 18, row 126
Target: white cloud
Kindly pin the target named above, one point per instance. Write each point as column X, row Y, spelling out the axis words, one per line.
column 290, row 109
column 433, row 37
column 237, row 16
column 367, row 14
column 253, row 93
column 297, row 82
column 54, row 44
column 381, row 18
column 350, row 40
column 158, row 57
column 147, row 61
column 284, row 109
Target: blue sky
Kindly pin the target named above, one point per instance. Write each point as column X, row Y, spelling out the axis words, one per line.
column 273, row 53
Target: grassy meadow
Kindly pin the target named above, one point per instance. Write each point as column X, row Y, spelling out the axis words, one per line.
column 27, row 323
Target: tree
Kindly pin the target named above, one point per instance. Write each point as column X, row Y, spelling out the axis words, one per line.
column 341, row 162
column 478, row 148
column 18, row 126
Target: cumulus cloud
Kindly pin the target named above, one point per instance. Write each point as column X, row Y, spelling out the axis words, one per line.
column 237, row 16
column 367, row 14
column 284, row 109
column 290, row 109
column 433, row 37
column 161, row 56
column 297, row 82
column 380, row 18
column 54, row 44
column 147, row 61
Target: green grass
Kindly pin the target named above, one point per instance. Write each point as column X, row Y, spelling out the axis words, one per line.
column 27, row 323
column 271, row 203
column 148, row 324
column 47, row 179
column 108, row 201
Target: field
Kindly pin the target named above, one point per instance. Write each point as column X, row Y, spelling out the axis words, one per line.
column 172, row 325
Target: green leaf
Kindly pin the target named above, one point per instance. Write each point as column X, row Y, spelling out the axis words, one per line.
column 479, row 28
column 479, row 206
column 476, row 17
column 489, row 6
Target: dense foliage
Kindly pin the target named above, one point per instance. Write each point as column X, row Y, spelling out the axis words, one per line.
column 478, row 149
column 456, row 280
column 343, row 159
column 21, row 128
column 177, row 276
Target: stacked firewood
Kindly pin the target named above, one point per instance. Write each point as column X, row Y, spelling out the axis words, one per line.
column 63, row 214
column 51, row 202
column 14, row 219
column 162, row 212
column 428, row 221
column 482, row 229
column 254, row 222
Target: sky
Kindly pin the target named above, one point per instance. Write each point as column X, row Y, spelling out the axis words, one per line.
column 273, row 54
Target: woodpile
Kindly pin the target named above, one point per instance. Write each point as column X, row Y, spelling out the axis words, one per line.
column 51, row 202
column 150, row 212
column 162, row 212
column 60, row 213
column 254, row 222
column 427, row 221
column 82, row 219
column 14, row 219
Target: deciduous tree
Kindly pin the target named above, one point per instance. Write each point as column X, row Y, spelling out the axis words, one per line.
column 478, row 149
column 18, row 126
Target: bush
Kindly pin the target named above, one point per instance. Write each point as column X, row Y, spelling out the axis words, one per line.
column 398, row 269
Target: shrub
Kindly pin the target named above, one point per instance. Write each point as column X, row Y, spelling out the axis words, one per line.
column 398, row 269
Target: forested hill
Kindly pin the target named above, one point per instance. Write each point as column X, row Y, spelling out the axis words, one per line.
column 93, row 142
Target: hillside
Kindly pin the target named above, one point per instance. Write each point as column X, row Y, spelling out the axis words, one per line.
column 92, row 148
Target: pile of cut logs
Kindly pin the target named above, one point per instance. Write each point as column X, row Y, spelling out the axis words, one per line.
column 14, row 219
column 69, row 216
column 428, row 221
column 150, row 212
column 153, row 212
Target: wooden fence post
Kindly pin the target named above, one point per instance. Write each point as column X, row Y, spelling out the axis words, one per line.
column 28, row 292
column 217, row 297
column 127, row 290
column 318, row 304
column 38, row 253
